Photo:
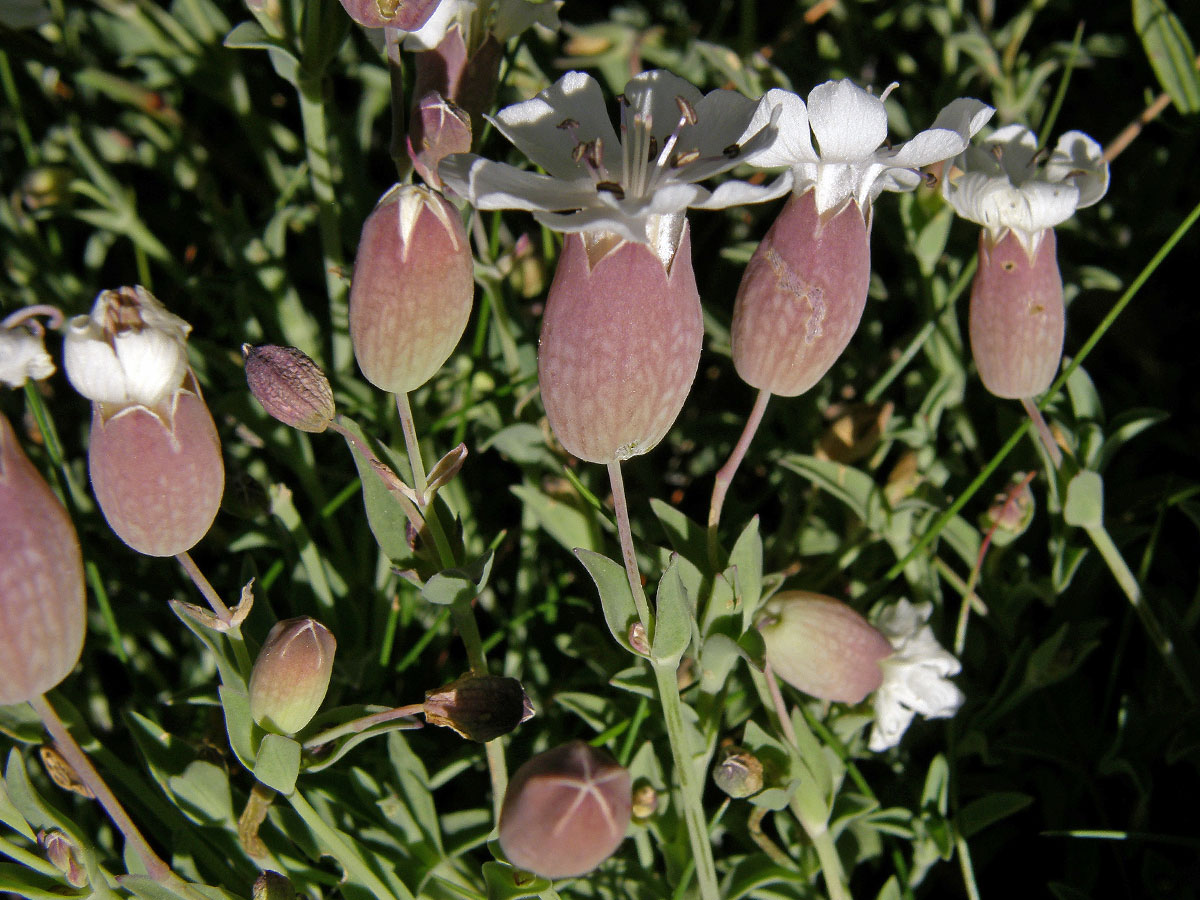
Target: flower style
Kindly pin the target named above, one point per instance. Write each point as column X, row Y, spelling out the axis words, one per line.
column 636, row 185
column 850, row 127
column 1017, row 316
column 914, row 675
column 1003, row 189
column 804, row 291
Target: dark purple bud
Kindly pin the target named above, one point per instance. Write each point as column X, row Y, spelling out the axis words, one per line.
column 479, row 707
column 290, row 386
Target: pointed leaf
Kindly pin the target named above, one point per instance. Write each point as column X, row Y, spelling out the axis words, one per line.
column 616, row 599
column 278, row 763
column 1170, row 52
column 1085, row 501
column 673, row 619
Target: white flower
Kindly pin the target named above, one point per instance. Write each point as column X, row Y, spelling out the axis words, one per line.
column 510, row 19
column 914, row 676
column 1003, row 188
column 636, row 182
column 129, row 350
column 23, row 356
column 852, row 161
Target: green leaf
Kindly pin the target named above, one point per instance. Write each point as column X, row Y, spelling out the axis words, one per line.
column 238, row 724
column 979, row 814
column 19, row 722
column 1170, row 52
column 570, row 526
column 506, row 883
column 11, row 816
column 687, row 538
column 385, row 515
column 717, row 659
column 616, row 599
column 278, row 762
column 747, row 557
column 854, row 488
column 937, row 781
column 755, row 872
column 673, row 619
column 1085, row 501
column 203, row 792
column 452, row 585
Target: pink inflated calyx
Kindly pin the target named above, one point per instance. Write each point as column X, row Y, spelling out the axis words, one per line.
column 1017, row 318
column 823, row 647
column 41, row 580
column 157, row 473
column 403, row 15
column 801, row 297
column 410, row 297
column 620, row 344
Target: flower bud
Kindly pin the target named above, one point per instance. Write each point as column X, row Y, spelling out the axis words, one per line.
column 801, row 297
column 739, row 773
column 565, row 811
column 23, row 356
column 41, row 580
column 1010, row 512
column 157, row 474
column 290, row 386
column 619, row 349
column 64, row 855
column 410, row 297
column 273, row 886
column 128, row 350
column 823, row 647
column 291, row 674
column 439, row 128
column 403, row 15
column 479, row 707
column 645, row 801
column 1017, row 318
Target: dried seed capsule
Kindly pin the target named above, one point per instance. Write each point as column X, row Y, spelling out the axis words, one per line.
column 565, row 811
column 739, row 772
column 479, row 707
column 290, row 386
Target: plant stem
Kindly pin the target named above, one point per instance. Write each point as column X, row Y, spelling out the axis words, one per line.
column 625, row 535
column 335, row 844
column 397, row 147
column 461, row 610
column 222, row 611
column 726, row 472
column 689, row 790
column 73, row 754
column 363, row 723
column 1043, row 431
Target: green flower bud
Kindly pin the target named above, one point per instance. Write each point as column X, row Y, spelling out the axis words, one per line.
column 273, row 886
column 739, row 773
column 290, row 386
column 565, row 811
column 64, row 855
column 291, row 674
column 479, row 707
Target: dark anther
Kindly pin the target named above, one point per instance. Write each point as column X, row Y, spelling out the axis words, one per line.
column 567, row 124
column 733, row 151
column 613, row 188
column 577, row 153
column 931, row 179
column 596, row 152
column 686, row 110
column 653, row 154
column 685, row 158
column 622, row 99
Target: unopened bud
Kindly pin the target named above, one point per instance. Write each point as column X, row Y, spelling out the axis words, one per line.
column 291, row 675
column 645, row 801
column 739, row 773
column 479, row 707
column 290, row 386
column 46, row 186
column 637, row 638
column 402, row 15
column 565, row 811
column 1010, row 512
column 64, row 856
column 823, row 647
column 273, row 886
column 439, row 128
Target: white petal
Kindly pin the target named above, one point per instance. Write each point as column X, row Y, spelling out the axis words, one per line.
column 514, row 16
column 793, row 140
column 721, row 119
column 837, row 183
column 949, row 135
column 1079, row 159
column 652, row 95
column 533, row 126
column 91, row 364
column 1016, row 147
column 23, row 356
column 154, row 363
column 429, row 35
column 891, row 721
column 493, row 185
column 739, row 193
column 848, row 123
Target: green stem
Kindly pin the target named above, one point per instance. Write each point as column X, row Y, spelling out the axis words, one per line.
column 73, row 754
column 222, row 611
column 831, row 863
column 320, row 169
column 363, row 723
column 689, row 790
column 335, row 844
column 625, row 535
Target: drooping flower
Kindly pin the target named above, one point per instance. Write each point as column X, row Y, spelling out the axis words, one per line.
column 23, row 356
column 411, row 293
column 1017, row 316
column 914, row 675
column 153, row 453
column 623, row 328
column 803, row 293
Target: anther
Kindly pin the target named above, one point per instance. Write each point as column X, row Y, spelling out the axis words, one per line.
column 733, row 151
column 686, row 110
column 683, row 159
column 611, row 187
column 567, row 124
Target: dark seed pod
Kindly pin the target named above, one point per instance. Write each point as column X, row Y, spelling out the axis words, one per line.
column 290, row 386
column 479, row 707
